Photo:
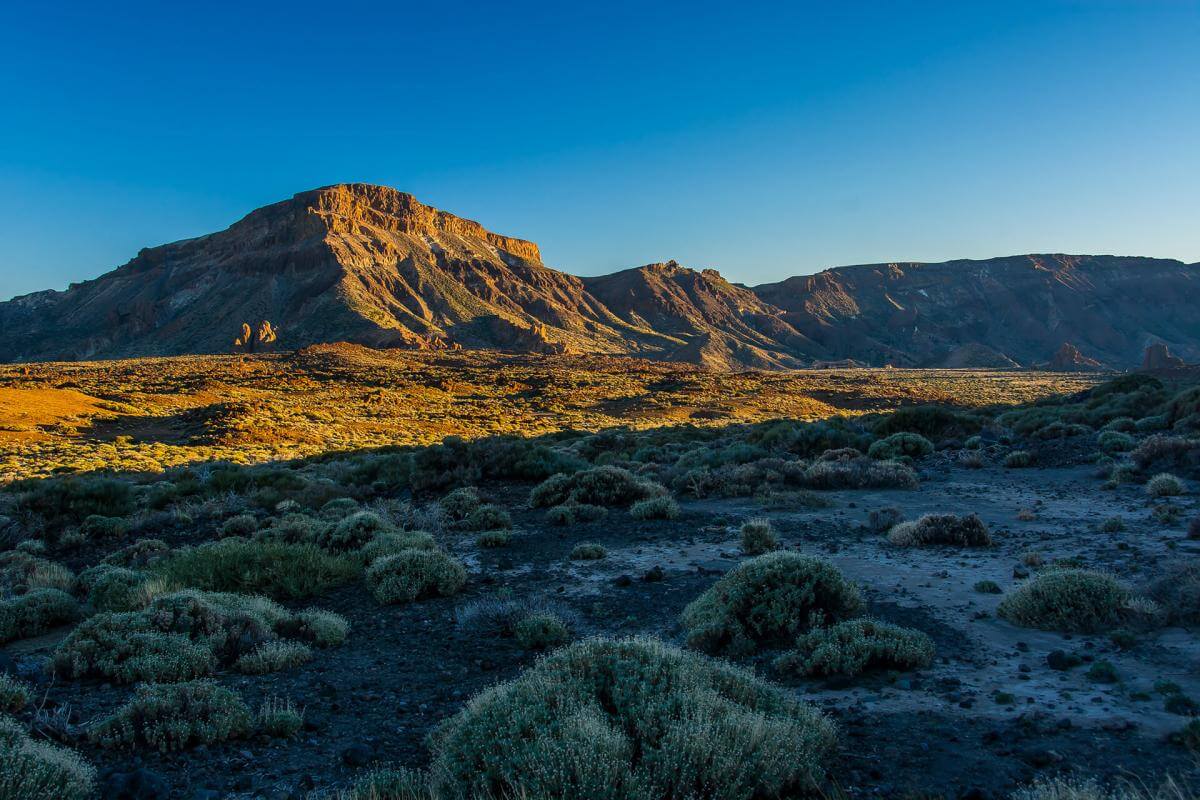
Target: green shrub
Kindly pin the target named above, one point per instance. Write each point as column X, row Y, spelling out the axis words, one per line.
column 276, row 569
column 317, row 627
column 758, row 537
column 630, row 719
column 459, row 504
column 112, row 588
column 588, row 551
column 296, row 528
column 1177, row 590
column 14, row 694
column 485, row 518
column 541, row 630
column 338, row 508
column 932, row 529
column 987, row 587
column 169, row 717
column 1018, row 459
column 910, row 445
column 414, row 574
column 932, row 422
column 860, row 473
column 34, row 613
column 489, row 539
column 62, row 502
column 1071, row 600
column 273, row 657
column 391, row 542
column 278, row 718
column 662, row 507
column 22, row 572
column 239, row 525
column 352, row 532
column 1113, row 525
column 39, row 770
column 768, row 598
column 141, row 553
column 127, row 648
column 602, row 486
column 854, row 646
column 1115, row 442
column 389, row 783
column 1165, row 484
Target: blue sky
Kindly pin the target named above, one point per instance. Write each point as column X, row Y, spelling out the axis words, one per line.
column 764, row 140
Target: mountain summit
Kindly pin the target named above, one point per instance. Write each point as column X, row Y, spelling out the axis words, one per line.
column 372, row 265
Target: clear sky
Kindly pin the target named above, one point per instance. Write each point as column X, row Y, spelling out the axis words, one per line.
column 764, row 140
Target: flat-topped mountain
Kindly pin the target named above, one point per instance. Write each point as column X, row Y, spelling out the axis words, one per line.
column 372, row 265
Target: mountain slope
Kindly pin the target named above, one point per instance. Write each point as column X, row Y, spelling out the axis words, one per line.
column 371, row 265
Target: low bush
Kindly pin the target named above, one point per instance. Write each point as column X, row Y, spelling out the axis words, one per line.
column 486, row 518
column 854, row 646
column 22, row 572
column 497, row 538
column 588, row 551
column 1115, row 441
column 38, row 770
column 352, row 532
column 541, row 630
column 1070, row 600
column 273, row 657
column 933, row 422
column 987, row 587
column 34, row 613
column 63, row 502
column 112, row 588
column 767, row 599
column 138, row 555
column 315, row 626
column 414, row 574
column 1163, row 452
column 14, row 694
column 933, row 529
column 662, row 507
column 860, row 473
column 1018, row 459
column 251, row 566
column 758, row 537
column 881, row 520
column 1165, row 484
column 571, row 513
column 901, row 445
column 278, row 718
column 630, row 719
column 1176, row 589
column 601, row 486
column 168, row 717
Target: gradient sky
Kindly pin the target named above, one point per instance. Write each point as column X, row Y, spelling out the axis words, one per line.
column 764, row 140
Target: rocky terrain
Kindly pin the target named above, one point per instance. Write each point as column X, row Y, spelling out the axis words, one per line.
column 371, row 265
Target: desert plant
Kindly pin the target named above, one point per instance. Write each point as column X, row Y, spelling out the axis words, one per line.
column 111, row 588
column 758, row 537
column 273, row 656
column 177, row 716
column 1111, row 441
column 413, row 574
column 602, row 486
column 1018, row 459
column 391, row 542
column 1071, row 600
column 497, row 538
column 932, row 529
column 278, row 718
column 316, row 626
column 768, row 598
column 486, row 518
column 852, row 646
column 276, row 569
column 588, row 551
column 1165, row 484
column 571, row 513
column 661, row 507
column 39, row 770
column 140, row 554
column 352, row 532
column 541, row 630
column 882, row 520
column 239, row 525
column 902, row 444
column 14, row 694
column 654, row 722
column 35, row 613
column 987, row 587
column 126, row 647
column 21, row 572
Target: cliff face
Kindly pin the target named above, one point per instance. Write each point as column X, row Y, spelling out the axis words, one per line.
column 372, row 265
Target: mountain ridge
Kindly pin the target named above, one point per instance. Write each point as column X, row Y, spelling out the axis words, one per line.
column 375, row 266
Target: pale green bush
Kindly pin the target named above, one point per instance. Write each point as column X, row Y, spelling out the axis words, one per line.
column 758, row 537
column 1165, row 484
column 169, row 717
column 661, row 507
column 39, row 770
column 902, row 444
column 933, row 529
column 542, row 630
column 414, row 574
column 14, row 694
column 273, row 657
column 1071, row 600
column 588, row 551
column 854, row 646
column 35, row 613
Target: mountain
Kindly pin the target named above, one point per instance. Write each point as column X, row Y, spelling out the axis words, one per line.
column 372, row 265
column 1020, row 308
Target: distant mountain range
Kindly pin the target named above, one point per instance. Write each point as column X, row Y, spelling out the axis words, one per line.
column 372, row 265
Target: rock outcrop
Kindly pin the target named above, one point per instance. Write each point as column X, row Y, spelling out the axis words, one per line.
column 1158, row 356
column 1068, row 359
column 373, row 266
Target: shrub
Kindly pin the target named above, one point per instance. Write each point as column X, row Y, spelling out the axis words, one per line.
column 499, row 538
column 278, row 718
column 22, row 572
column 910, row 445
column 276, row 569
column 69, row 501
column 126, row 647
column 1071, row 600
column 662, row 507
column 853, row 646
column 273, row 657
column 653, row 722
column 1115, row 441
column 1018, row 459
column 588, row 551
column 933, row 422
column 882, row 520
column 485, row 518
column 571, row 513
column 392, row 542
column 141, row 553
column 338, row 508
column 414, row 574
column 860, row 473
column 389, row 783
column 1164, row 484
column 14, row 694
column 500, row 615
column 768, row 598
column 1161, row 451
column 987, row 587
column 35, row 613
column 951, row 529
column 758, row 537
column 111, row 588
column 459, row 504
column 239, row 525
column 170, row 717
column 602, row 486
column 541, row 630
column 38, row 770
column 1113, row 525
column 96, row 527
column 352, row 532
column 1177, row 591
column 296, row 528
column 316, row 626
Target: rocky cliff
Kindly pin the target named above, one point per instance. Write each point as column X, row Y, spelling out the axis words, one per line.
column 371, row 265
